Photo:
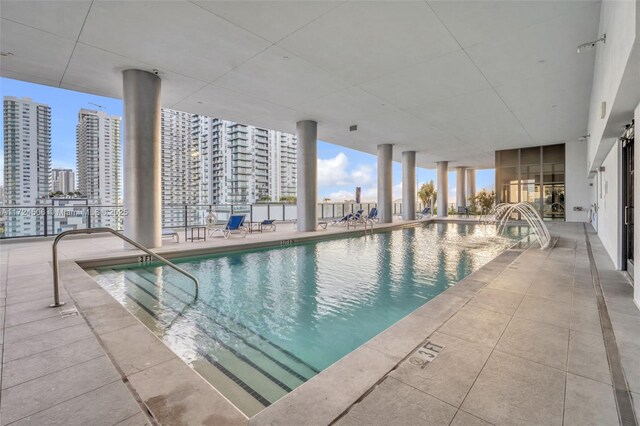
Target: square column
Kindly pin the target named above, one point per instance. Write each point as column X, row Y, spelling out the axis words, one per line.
column 409, row 185
column 307, row 184
column 461, row 190
column 442, row 180
column 385, row 183
column 142, row 187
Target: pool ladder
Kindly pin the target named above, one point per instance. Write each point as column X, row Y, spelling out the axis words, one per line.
column 56, row 276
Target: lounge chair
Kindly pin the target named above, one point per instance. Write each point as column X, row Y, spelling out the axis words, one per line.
column 463, row 211
column 170, row 233
column 268, row 225
column 373, row 215
column 234, row 224
column 344, row 219
column 426, row 212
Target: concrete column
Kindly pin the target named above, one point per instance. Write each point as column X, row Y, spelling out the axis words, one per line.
column 142, row 158
column 385, row 183
column 307, row 204
column 471, row 184
column 442, row 180
column 461, row 187
column 409, row 185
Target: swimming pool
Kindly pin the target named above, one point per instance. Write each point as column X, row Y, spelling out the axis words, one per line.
column 268, row 320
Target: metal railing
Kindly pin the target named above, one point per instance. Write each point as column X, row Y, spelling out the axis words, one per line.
column 56, row 275
column 47, row 220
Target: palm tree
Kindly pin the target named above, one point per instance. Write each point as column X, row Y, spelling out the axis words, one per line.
column 427, row 193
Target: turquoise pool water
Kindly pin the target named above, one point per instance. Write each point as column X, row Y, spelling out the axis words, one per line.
column 268, row 320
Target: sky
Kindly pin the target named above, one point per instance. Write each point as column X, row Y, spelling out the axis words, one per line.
column 340, row 169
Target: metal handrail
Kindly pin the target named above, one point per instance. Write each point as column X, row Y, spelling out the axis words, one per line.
column 56, row 293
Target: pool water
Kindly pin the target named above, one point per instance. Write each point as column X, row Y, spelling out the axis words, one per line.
column 268, row 320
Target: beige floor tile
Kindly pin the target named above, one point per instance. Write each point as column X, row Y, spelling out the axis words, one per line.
column 109, row 405
column 43, row 363
column 512, row 390
column 395, row 403
column 543, row 310
column 588, row 357
column 536, row 341
column 589, row 403
column 450, row 375
column 463, row 418
column 586, row 320
column 505, row 302
column 476, row 325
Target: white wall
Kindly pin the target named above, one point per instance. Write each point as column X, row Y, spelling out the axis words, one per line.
column 636, row 213
column 613, row 66
column 577, row 191
column 609, row 206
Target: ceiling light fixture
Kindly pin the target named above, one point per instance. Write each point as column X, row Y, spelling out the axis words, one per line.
column 585, row 47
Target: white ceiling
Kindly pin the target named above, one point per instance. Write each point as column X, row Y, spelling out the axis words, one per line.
column 453, row 80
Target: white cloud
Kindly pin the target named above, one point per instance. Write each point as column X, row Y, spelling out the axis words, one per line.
column 362, row 175
column 342, row 195
column 333, row 171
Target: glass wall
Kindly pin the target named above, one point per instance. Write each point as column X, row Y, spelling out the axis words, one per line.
column 533, row 175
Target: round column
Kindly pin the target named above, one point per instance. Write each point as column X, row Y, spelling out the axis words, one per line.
column 409, row 185
column 307, row 184
column 142, row 158
column 385, row 183
column 461, row 191
column 471, row 184
column 442, row 179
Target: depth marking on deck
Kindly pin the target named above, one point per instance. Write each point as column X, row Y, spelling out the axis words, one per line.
column 620, row 387
column 425, row 354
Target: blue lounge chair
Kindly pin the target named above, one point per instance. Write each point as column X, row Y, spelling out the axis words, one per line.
column 373, row 215
column 234, row 224
column 426, row 212
column 346, row 218
column 268, row 225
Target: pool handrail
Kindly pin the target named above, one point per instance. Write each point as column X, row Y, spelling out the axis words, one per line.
column 56, row 276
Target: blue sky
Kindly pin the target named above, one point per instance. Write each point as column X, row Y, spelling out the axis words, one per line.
column 340, row 169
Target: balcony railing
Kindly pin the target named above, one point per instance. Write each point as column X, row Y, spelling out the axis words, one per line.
column 50, row 220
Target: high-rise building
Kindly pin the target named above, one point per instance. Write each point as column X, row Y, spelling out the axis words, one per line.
column 209, row 161
column 180, row 166
column 27, row 163
column 283, row 168
column 63, row 180
column 98, row 161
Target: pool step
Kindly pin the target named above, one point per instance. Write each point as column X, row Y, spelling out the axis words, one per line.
column 263, row 370
column 219, row 321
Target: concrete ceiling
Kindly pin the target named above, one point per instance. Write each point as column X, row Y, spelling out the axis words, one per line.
column 453, row 80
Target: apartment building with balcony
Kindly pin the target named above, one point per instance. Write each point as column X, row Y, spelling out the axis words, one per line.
column 98, row 160
column 210, row 161
column 27, row 163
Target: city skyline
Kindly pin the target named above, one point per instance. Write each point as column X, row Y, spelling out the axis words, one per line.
column 340, row 169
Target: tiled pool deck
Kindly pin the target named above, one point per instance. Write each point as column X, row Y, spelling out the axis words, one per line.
column 522, row 344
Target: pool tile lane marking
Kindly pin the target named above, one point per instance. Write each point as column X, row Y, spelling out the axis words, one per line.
column 624, row 403
column 221, row 343
column 230, row 331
